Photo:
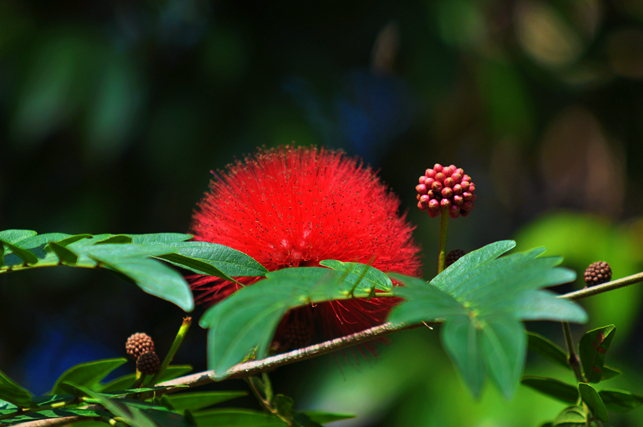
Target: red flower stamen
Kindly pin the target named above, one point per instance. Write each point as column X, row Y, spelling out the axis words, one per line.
column 292, row 206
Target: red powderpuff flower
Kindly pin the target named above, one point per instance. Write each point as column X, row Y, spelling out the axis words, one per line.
column 290, row 207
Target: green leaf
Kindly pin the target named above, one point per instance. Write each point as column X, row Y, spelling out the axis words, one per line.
column 609, row 373
column 423, row 302
column 200, row 400
column 158, row 238
column 592, row 348
column 302, row 420
column 73, row 239
column 503, row 350
column 461, row 340
column 366, row 276
column 571, row 416
column 64, row 255
column 620, row 400
column 87, row 374
column 236, row 333
column 55, row 413
column 552, row 387
column 126, row 381
column 140, row 414
column 14, row 236
column 40, row 240
column 116, row 239
column 593, row 401
column 156, row 279
column 195, row 265
column 284, row 405
column 236, row 417
column 231, row 262
column 13, row 393
column 26, row 256
column 482, row 300
column 325, row 417
column 547, row 349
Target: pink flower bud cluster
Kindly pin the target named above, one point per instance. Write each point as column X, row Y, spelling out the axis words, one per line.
column 446, row 187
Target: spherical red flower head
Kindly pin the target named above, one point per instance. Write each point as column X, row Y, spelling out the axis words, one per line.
column 445, row 187
column 292, row 206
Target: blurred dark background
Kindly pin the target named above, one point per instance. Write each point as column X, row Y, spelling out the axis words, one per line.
column 112, row 114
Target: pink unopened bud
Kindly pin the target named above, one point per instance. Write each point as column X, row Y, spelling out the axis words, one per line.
column 447, row 192
column 445, row 188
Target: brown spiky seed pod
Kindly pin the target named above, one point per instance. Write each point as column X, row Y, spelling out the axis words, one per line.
column 597, row 273
column 148, row 363
column 453, row 256
column 138, row 344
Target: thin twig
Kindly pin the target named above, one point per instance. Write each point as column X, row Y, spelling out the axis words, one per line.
column 572, row 357
column 605, row 287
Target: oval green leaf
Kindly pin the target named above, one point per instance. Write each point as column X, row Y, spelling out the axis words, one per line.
column 552, row 387
column 87, row 374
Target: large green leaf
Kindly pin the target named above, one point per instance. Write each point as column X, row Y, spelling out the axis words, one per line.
column 236, row 418
column 87, row 374
column 15, row 236
column 158, row 238
column 552, row 387
column 156, row 279
column 592, row 348
column 620, row 400
column 365, row 276
column 13, row 393
column 593, row 401
column 482, row 300
column 547, row 349
column 200, row 400
column 245, row 322
column 230, row 262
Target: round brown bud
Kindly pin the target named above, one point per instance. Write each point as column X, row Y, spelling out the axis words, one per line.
column 148, row 363
column 597, row 273
column 138, row 344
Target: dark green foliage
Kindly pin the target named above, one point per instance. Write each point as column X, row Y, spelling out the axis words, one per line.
column 547, row 349
column 593, row 401
column 130, row 256
column 200, row 400
column 124, row 382
column 87, row 374
column 592, row 348
column 620, row 400
column 13, row 393
column 552, row 387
